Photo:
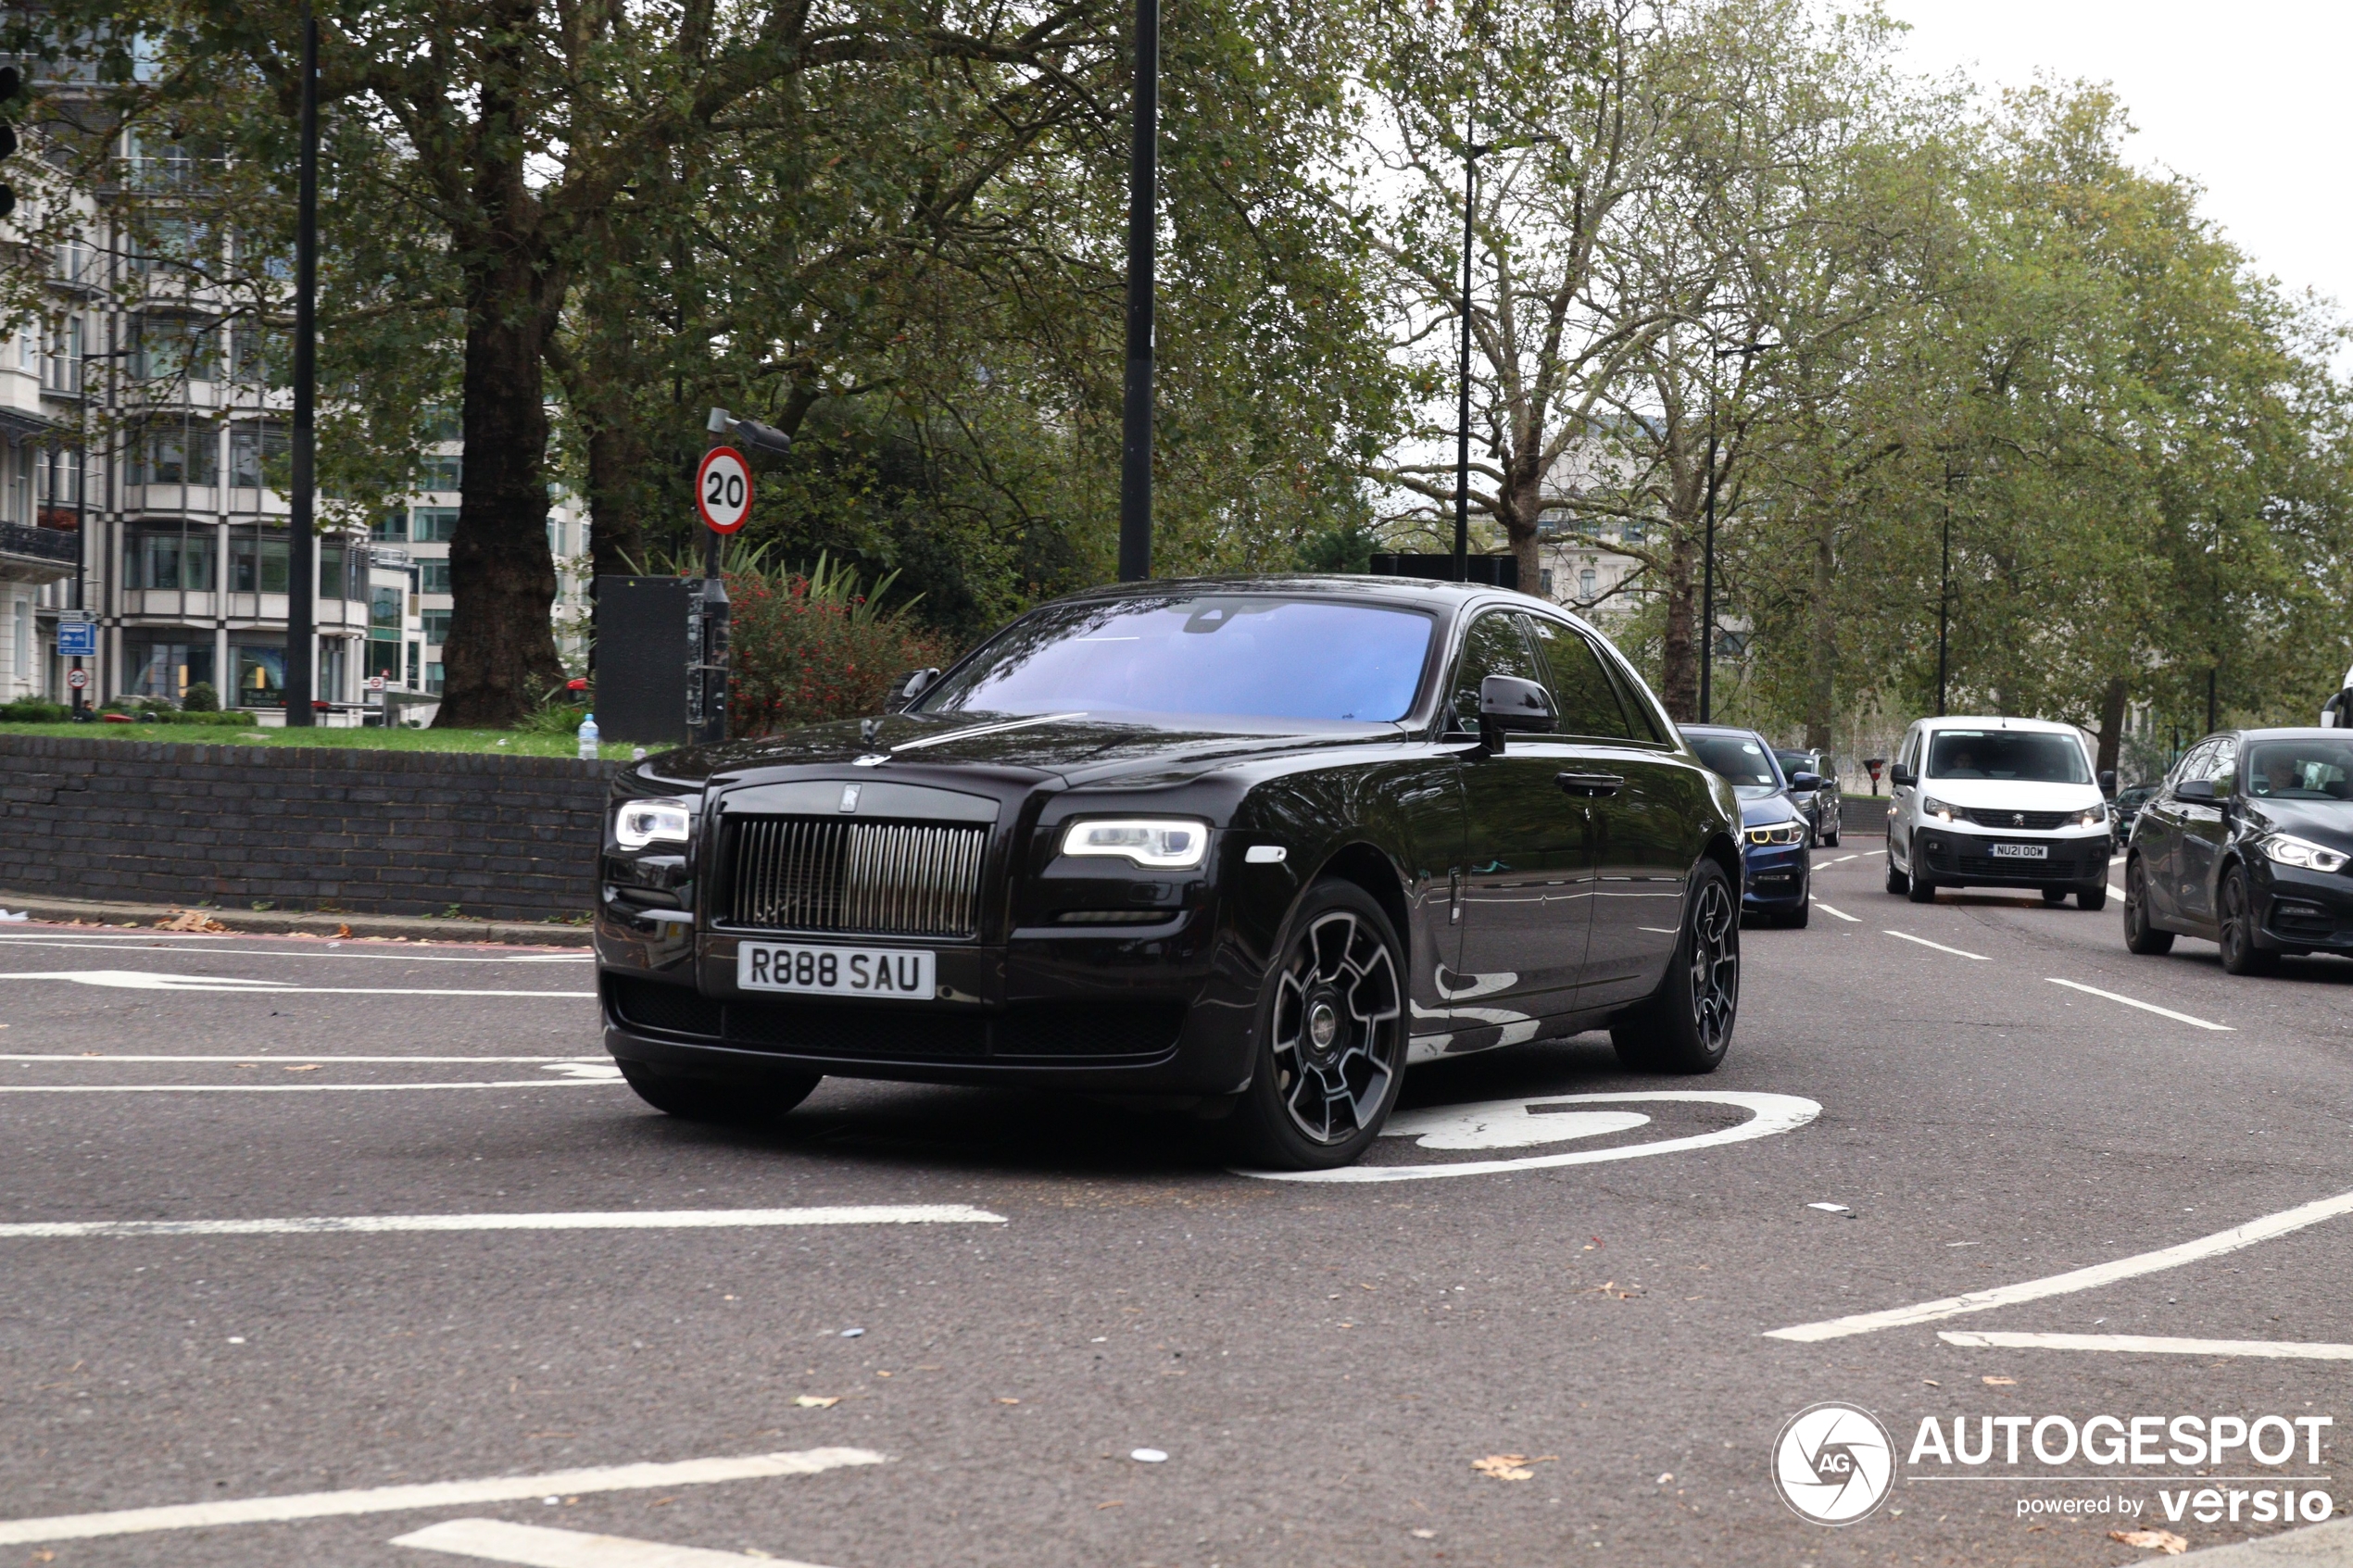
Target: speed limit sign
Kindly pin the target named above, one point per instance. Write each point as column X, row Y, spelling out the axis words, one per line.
column 77, row 678
column 723, row 489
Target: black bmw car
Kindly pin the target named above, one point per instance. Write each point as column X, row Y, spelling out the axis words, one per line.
column 2247, row 844
column 1250, row 845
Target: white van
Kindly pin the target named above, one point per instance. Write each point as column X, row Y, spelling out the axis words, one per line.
column 1997, row 803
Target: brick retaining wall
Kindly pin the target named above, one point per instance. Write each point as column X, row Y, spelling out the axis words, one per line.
column 395, row 833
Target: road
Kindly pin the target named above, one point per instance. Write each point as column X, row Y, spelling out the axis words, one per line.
column 1023, row 1291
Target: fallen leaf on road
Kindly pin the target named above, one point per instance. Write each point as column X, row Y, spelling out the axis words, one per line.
column 1999, row 1382
column 345, row 931
column 661, row 1502
column 1115, row 1503
column 2165, row 1541
column 816, row 1401
column 1423, row 1535
column 1609, row 1288
column 1507, row 1467
column 1932, row 1382
column 881, row 1374
column 305, row 1067
column 190, row 919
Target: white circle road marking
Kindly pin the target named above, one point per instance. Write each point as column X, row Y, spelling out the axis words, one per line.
column 1769, row 1114
column 1506, row 1123
column 155, row 980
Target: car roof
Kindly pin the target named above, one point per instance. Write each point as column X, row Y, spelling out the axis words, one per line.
column 1995, row 721
column 1417, row 592
column 2291, row 731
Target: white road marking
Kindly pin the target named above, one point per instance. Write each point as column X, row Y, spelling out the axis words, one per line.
column 2262, row 1229
column 1843, row 859
column 1769, row 1114
column 1506, row 1123
column 431, row 1493
column 1940, row 947
column 104, row 944
column 249, row 1056
column 560, row 1220
column 1842, row 914
column 154, row 980
column 2156, row 1343
column 2114, row 891
column 535, row 1546
column 2144, row 1007
column 568, row 1083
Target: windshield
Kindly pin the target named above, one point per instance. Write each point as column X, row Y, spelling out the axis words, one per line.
column 1199, row 656
column 2013, row 756
column 2302, row 770
column 1746, row 762
column 1797, row 762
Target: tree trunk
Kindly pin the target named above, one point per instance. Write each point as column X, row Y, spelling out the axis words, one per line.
column 1678, row 650
column 2112, row 724
column 1821, row 650
column 618, row 464
column 501, row 654
column 1519, row 505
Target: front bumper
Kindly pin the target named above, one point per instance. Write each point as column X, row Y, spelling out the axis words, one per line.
column 1150, row 1011
column 1775, row 877
column 2301, row 911
column 1956, row 859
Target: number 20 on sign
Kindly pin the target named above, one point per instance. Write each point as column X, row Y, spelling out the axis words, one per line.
column 723, row 490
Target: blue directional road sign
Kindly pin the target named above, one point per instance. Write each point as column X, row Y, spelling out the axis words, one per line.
column 77, row 639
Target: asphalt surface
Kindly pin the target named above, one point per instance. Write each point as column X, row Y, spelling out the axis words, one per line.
column 1322, row 1362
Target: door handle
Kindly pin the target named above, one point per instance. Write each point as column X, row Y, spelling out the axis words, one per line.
column 1589, row 784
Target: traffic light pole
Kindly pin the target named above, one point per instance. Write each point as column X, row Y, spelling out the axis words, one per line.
column 302, row 568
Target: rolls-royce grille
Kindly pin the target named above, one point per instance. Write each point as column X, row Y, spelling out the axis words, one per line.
column 893, row 879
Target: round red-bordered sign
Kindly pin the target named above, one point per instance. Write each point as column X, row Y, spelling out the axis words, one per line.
column 723, row 490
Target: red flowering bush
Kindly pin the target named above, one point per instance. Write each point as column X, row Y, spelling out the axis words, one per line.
column 808, row 647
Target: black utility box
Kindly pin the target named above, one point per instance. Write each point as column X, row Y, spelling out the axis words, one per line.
column 642, row 657
column 1496, row 572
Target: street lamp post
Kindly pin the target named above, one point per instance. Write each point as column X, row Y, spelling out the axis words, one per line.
column 301, row 566
column 1707, row 563
column 1143, row 200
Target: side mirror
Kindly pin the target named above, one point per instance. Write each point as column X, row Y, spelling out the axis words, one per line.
column 1805, row 780
column 2107, row 782
column 910, row 686
column 2195, row 789
column 1507, row 703
column 1902, row 777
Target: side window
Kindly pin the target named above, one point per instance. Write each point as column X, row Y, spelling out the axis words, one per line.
column 1582, row 690
column 1911, row 757
column 1493, row 647
column 2191, row 766
column 2223, row 766
column 1639, row 715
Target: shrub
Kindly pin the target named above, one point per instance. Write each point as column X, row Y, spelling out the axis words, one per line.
column 808, row 646
column 33, row 710
column 201, row 698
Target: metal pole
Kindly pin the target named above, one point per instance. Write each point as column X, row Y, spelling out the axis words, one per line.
column 82, row 546
column 1943, row 600
column 1707, row 583
column 302, row 571
column 1463, row 390
column 2211, row 671
column 1143, row 202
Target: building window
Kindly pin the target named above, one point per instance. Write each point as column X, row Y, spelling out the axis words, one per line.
column 259, row 454
column 170, row 559
column 442, row 473
column 332, row 655
column 174, row 453
column 261, row 675
column 432, row 678
column 1544, row 581
column 331, row 570
column 433, row 525
column 258, row 563
column 391, row 528
column 173, row 348
column 1588, row 581
column 383, row 615
column 1631, row 532
column 436, row 626
column 168, row 669
column 432, row 576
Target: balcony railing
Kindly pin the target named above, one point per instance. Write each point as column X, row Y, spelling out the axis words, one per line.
column 43, row 543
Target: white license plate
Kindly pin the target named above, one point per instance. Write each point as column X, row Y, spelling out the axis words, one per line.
column 2022, row 851
column 901, row 973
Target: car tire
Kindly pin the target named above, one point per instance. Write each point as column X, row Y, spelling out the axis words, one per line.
column 2140, row 937
column 707, row 1099
column 2092, row 896
column 1686, row 1025
column 1922, row 890
column 1331, row 1031
column 2055, row 896
column 1797, row 918
column 1897, row 882
column 2240, row 954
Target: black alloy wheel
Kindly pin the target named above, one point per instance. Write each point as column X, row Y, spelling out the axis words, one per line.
column 2140, row 937
column 2240, row 955
column 707, row 1099
column 1332, row 1029
column 1687, row 1026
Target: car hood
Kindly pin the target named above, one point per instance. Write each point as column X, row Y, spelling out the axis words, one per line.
column 1763, row 811
column 2322, row 821
column 2011, row 795
column 1077, row 748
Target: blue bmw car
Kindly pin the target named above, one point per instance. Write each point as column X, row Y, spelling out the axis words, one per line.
column 1776, row 842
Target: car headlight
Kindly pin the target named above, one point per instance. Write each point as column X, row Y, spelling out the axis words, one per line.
column 2289, row 850
column 1932, row 806
column 2091, row 817
column 1156, row 844
column 1780, row 833
column 640, row 823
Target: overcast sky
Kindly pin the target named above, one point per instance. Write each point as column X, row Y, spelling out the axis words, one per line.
column 2246, row 99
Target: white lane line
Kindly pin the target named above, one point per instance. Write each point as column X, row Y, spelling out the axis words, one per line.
column 1957, row 952
column 1842, row 914
column 110, row 942
column 2164, row 1345
column 2263, row 1229
column 103, row 1057
column 535, row 1546
column 298, row 1088
column 430, row 1494
column 2114, row 891
column 151, row 979
column 1843, row 859
column 560, row 1220
column 2144, row 1007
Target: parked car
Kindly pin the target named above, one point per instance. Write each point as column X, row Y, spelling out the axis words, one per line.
column 1820, row 804
column 1997, row 803
column 2247, row 844
column 1776, row 837
column 1251, row 847
column 2127, row 807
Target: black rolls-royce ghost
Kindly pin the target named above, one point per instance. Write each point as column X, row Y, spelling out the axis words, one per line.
column 1252, row 844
